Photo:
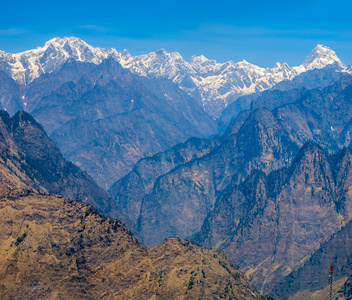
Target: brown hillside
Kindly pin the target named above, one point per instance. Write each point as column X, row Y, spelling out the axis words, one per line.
column 54, row 249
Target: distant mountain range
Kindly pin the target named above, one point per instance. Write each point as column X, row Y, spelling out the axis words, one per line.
column 104, row 118
column 214, row 85
column 211, row 190
column 253, row 162
column 106, row 110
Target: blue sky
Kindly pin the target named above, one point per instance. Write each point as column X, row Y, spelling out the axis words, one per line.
column 262, row 32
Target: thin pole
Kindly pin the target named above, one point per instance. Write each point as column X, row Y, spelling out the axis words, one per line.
column 331, row 280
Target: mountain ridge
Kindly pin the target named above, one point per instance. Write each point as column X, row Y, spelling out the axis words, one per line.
column 262, row 139
column 215, row 85
column 105, row 107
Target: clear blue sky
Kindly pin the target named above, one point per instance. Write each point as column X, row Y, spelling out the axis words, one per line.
column 262, row 32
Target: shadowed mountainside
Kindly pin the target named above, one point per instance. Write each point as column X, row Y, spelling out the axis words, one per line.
column 271, row 224
column 30, row 156
column 105, row 118
column 183, row 193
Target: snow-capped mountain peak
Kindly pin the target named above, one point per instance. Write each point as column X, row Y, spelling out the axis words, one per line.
column 320, row 57
column 203, row 65
column 59, row 42
column 24, row 67
column 158, row 64
column 213, row 84
column 246, row 64
column 161, row 52
column 200, row 59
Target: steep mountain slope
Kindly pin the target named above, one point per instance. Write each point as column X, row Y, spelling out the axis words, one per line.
column 33, row 159
column 272, row 224
column 10, row 94
column 130, row 190
column 46, row 85
column 51, row 249
column 106, row 119
column 181, row 199
column 213, row 84
column 264, row 140
column 320, row 115
column 337, row 251
column 272, row 98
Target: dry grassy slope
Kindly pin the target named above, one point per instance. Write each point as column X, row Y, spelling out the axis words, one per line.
column 323, row 294
column 70, row 252
column 29, row 157
column 13, row 176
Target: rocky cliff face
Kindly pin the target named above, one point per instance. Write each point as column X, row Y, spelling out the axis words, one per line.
column 272, row 224
column 313, row 274
column 336, row 250
column 129, row 191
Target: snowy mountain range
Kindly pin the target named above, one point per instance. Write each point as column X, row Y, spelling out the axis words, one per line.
column 214, row 85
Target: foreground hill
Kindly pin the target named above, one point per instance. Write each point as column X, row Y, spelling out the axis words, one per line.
column 54, row 249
